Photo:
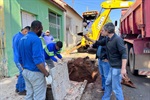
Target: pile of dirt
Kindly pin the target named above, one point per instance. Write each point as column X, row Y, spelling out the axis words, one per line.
column 81, row 69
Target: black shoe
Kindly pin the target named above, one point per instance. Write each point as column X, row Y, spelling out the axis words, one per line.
column 102, row 90
column 16, row 90
column 22, row 93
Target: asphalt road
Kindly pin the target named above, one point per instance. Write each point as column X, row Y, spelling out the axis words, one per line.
column 142, row 90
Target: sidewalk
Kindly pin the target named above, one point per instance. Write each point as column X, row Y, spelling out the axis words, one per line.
column 7, row 89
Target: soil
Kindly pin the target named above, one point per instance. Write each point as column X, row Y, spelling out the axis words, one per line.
column 81, row 69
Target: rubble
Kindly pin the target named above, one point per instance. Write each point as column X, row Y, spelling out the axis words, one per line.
column 61, row 87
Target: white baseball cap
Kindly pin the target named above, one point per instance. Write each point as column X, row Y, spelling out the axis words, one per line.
column 47, row 31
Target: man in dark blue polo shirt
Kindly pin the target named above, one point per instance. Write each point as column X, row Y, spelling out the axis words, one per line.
column 103, row 64
column 117, row 57
column 31, row 57
column 20, row 86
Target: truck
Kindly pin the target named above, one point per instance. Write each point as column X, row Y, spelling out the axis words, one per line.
column 135, row 30
column 94, row 31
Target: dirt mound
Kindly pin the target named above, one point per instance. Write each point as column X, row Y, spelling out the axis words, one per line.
column 81, row 69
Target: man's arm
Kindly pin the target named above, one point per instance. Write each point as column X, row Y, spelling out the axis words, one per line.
column 38, row 57
column 122, row 51
column 87, row 38
column 19, row 54
column 59, row 56
column 123, row 68
column 53, row 58
column 42, row 69
column 101, row 42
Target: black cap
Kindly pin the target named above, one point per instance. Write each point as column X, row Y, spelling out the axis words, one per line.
column 59, row 44
column 27, row 27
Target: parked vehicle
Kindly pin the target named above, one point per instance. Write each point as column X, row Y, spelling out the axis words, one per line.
column 135, row 30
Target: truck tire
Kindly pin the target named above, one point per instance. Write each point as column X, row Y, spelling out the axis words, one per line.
column 132, row 60
column 128, row 46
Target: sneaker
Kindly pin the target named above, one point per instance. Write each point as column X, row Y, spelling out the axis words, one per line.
column 16, row 90
column 101, row 90
column 22, row 93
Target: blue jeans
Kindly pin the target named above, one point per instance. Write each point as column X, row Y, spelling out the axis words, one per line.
column 103, row 69
column 113, row 83
column 20, row 86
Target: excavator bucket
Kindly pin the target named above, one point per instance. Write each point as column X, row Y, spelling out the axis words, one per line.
column 74, row 48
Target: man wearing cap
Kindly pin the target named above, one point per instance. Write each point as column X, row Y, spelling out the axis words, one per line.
column 47, row 37
column 52, row 50
column 20, row 86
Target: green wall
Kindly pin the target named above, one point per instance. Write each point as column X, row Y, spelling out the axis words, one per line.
column 12, row 17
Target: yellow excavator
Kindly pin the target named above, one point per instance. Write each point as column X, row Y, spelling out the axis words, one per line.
column 92, row 29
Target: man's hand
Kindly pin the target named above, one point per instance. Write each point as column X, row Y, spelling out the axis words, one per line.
column 49, row 79
column 91, row 46
column 123, row 73
column 60, row 63
column 62, row 59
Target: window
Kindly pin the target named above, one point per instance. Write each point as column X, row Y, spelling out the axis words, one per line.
column 55, row 25
column 27, row 19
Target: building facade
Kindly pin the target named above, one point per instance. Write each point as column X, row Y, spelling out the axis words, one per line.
column 73, row 25
column 16, row 14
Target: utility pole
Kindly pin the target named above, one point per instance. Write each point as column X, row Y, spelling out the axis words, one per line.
column 87, row 8
column 72, row 3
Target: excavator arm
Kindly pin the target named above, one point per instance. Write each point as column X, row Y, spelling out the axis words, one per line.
column 99, row 22
column 103, row 18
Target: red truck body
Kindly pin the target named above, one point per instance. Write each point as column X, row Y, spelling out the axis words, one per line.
column 135, row 29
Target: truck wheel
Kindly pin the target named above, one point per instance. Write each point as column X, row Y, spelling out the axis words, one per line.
column 132, row 60
column 128, row 46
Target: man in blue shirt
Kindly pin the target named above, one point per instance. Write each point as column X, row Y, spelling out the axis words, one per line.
column 52, row 50
column 20, row 86
column 31, row 57
column 48, row 37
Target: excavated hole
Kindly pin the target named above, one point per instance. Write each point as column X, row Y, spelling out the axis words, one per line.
column 81, row 69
